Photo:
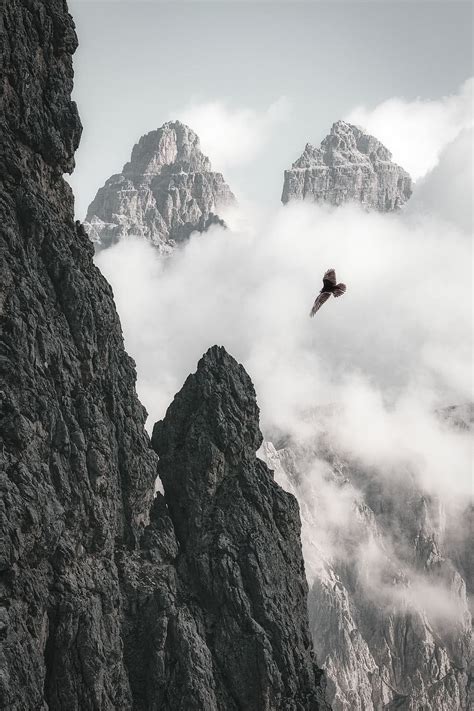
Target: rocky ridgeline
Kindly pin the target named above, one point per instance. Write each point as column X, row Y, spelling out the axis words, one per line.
column 349, row 166
column 165, row 192
column 385, row 637
column 110, row 598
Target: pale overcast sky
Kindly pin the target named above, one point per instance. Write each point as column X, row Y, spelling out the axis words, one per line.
column 280, row 72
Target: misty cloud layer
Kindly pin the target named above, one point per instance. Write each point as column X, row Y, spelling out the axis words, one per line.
column 417, row 131
column 399, row 326
column 369, row 370
column 233, row 136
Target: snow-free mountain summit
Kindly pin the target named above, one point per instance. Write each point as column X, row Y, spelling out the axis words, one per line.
column 349, row 166
column 166, row 191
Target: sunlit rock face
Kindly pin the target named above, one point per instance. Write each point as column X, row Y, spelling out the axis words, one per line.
column 349, row 166
column 390, row 572
column 165, row 192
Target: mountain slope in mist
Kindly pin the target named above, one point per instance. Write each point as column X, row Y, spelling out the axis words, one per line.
column 388, row 572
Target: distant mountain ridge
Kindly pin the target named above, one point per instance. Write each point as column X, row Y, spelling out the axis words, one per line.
column 166, row 191
column 349, row 166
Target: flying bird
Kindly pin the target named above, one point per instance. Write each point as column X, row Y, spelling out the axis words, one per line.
column 329, row 287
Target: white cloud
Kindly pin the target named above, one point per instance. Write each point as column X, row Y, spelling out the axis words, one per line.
column 399, row 588
column 395, row 347
column 447, row 191
column 403, row 439
column 398, row 336
column 233, row 136
column 417, row 131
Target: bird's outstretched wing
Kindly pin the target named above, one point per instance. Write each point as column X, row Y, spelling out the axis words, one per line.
column 340, row 289
column 329, row 279
column 320, row 300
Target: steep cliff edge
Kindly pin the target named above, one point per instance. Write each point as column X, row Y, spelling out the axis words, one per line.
column 166, row 191
column 110, row 599
column 349, row 166
column 76, row 468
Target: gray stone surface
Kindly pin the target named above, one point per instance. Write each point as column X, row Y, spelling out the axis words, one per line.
column 349, row 166
column 101, row 604
column 165, row 192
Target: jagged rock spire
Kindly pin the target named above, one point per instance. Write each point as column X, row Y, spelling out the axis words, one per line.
column 166, row 191
column 239, row 537
column 349, row 166
column 174, row 144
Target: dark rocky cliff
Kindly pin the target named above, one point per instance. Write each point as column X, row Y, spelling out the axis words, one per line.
column 240, row 560
column 76, row 468
column 110, row 599
column 215, row 599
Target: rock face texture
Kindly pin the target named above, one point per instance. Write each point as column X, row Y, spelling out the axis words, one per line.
column 165, row 192
column 389, row 587
column 349, row 166
column 240, row 562
column 110, row 598
column 76, row 469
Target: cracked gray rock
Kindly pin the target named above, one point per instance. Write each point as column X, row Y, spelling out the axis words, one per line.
column 349, row 166
column 167, row 191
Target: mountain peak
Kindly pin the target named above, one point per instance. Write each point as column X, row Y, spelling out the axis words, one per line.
column 221, row 395
column 349, row 166
column 164, row 193
column 174, row 143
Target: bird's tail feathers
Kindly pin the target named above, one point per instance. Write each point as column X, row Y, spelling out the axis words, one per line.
column 340, row 289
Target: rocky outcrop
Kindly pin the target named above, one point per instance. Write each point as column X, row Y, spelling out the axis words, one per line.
column 106, row 601
column 165, row 192
column 240, row 560
column 349, row 166
column 389, row 583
